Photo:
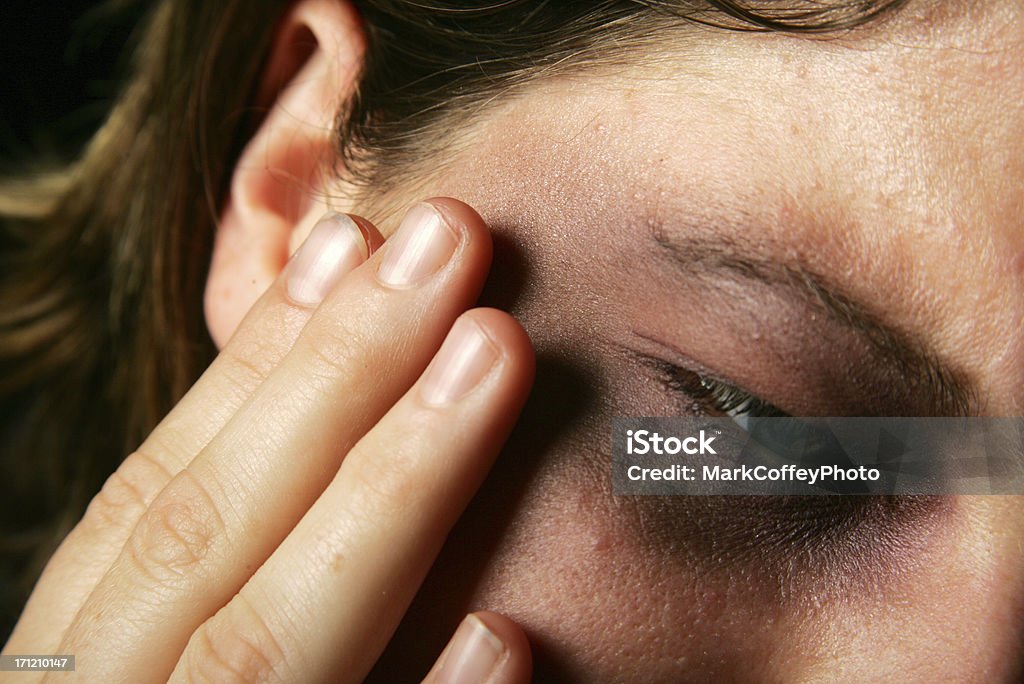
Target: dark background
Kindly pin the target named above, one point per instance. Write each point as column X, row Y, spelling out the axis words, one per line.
column 61, row 63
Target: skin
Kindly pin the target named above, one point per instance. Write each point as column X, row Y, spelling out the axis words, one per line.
column 887, row 162
column 157, row 582
column 860, row 159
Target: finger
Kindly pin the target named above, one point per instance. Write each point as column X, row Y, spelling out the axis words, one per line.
column 223, row 515
column 487, row 648
column 328, row 600
column 261, row 341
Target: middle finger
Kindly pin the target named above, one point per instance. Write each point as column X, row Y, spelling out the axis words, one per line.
column 224, row 514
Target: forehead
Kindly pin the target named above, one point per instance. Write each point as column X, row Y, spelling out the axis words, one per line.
column 892, row 162
column 936, row 90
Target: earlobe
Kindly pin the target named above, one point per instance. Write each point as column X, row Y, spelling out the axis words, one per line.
column 278, row 186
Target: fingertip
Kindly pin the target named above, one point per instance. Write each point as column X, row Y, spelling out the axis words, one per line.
column 510, row 336
column 517, row 665
column 373, row 237
column 456, row 210
column 458, row 213
column 487, row 648
column 504, row 329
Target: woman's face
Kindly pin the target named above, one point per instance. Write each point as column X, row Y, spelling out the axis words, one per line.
column 822, row 223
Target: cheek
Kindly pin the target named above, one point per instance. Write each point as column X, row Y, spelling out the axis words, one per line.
column 605, row 596
column 599, row 606
column 959, row 617
column 610, row 589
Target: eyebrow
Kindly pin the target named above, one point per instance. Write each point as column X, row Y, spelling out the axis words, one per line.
column 949, row 392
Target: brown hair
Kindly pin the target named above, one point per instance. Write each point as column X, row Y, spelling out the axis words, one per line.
column 103, row 263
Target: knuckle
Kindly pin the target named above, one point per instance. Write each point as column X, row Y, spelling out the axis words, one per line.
column 334, row 352
column 390, row 485
column 172, row 440
column 245, row 366
column 237, row 645
column 177, row 531
column 126, row 494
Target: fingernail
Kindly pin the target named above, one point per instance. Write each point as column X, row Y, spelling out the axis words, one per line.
column 334, row 247
column 419, row 248
column 465, row 358
column 474, row 653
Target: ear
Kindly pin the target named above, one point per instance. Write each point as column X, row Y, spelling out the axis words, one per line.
column 277, row 189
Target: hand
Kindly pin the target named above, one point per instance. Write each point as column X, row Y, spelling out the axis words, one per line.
column 278, row 522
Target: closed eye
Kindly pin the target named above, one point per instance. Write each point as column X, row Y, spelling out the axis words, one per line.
column 711, row 396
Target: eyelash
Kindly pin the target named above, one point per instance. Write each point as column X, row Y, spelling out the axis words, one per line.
column 710, row 395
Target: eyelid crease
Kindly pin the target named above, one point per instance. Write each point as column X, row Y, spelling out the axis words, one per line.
column 948, row 393
column 704, row 389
